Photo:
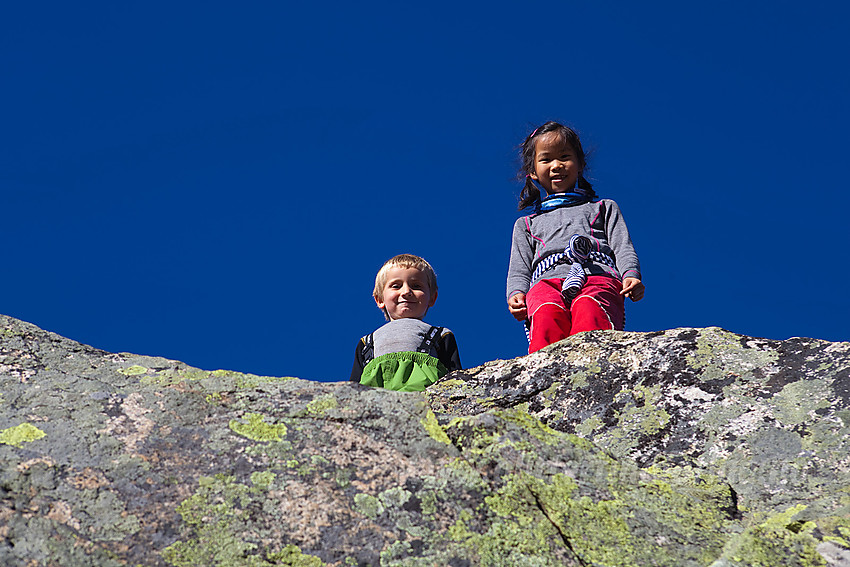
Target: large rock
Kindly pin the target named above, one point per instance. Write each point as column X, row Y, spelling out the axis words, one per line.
column 688, row 447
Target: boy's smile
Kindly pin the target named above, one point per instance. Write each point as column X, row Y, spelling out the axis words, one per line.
column 406, row 295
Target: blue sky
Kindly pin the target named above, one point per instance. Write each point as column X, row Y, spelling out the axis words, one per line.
column 218, row 184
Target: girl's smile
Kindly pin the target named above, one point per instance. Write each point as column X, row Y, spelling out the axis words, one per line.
column 556, row 166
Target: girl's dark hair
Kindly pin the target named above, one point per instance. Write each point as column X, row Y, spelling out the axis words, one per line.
column 530, row 193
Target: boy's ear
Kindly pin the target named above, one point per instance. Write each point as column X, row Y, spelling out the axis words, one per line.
column 433, row 299
column 379, row 302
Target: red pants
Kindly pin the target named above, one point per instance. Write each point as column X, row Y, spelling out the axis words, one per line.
column 598, row 306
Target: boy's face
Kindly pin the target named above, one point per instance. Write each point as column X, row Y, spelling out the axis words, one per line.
column 407, row 294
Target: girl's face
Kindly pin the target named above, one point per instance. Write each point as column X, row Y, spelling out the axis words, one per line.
column 556, row 165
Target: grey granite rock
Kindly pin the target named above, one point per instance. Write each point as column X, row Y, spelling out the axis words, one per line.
column 688, row 447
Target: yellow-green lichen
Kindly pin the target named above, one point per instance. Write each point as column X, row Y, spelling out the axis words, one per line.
column 720, row 352
column 217, row 379
column 217, row 505
column 779, row 540
column 582, row 378
column 251, row 381
column 437, row 433
column 214, row 398
column 549, row 393
column 368, row 505
column 531, row 424
column 601, row 512
column 647, row 419
column 711, row 343
column 395, row 497
column 536, row 514
column 589, row 425
column 257, row 428
column 291, row 556
column 579, row 379
column 216, row 516
column 320, row 405
column 459, row 530
column 428, row 503
column 342, row 477
column 262, row 480
column 528, row 524
column 306, row 469
column 798, row 401
column 837, row 530
column 460, row 471
column 20, row 434
column 134, row 370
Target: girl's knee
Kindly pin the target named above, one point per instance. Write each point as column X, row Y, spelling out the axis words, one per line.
column 550, row 323
column 590, row 315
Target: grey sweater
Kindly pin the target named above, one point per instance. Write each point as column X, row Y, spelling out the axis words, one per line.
column 405, row 335
column 540, row 235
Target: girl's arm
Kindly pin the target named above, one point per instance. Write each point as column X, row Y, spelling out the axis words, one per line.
column 519, row 267
column 633, row 288
column 517, row 307
column 620, row 242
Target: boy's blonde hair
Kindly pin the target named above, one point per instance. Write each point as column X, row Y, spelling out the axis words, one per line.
column 404, row 261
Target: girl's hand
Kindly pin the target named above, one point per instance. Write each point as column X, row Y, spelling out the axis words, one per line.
column 516, row 305
column 633, row 288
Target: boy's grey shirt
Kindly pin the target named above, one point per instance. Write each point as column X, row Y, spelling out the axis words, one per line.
column 403, row 335
column 540, row 235
column 406, row 335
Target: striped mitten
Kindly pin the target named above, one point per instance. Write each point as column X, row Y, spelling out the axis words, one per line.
column 573, row 283
column 578, row 250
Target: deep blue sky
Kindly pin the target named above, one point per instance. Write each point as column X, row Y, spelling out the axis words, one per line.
column 218, row 183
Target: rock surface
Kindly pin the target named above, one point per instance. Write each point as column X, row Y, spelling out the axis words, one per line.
column 684, row 447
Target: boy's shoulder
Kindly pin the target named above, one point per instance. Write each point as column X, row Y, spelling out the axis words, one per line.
column 407, row 326
column 403, row 335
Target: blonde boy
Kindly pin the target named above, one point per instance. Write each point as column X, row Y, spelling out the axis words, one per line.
column 405, row 354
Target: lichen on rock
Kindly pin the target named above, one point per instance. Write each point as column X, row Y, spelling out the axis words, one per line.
column 683, row 447
column 18, row 435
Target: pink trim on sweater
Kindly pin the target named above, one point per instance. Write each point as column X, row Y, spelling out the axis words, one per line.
column 528, row 228
column 596, row 240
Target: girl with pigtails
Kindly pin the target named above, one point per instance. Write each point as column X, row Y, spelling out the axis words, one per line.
column 572, row 261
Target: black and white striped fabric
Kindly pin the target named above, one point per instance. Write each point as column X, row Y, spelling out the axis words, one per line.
column 573, row 283
column 578, row 252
